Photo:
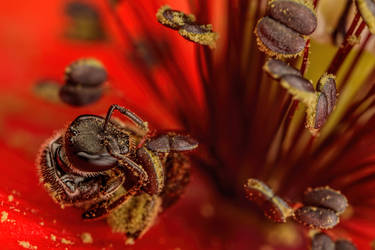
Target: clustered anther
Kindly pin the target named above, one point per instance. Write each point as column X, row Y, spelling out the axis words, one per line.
column 273, row 206
column 320, row 102
column 321, row 206
column 283, row 32
column 187, row 26
column 84, row 81
column 322, row 241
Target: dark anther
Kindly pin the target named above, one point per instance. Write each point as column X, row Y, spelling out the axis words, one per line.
column 345, row 245
column 277, row 69
column 327, row 198
column 173, row 19
column 83, row 82
column 84, row 22
column 327, row 85
column 298, row 83
column 294, row 15
column 316, row 217
column 275, row 208
column 186, row 26
column 321, row 113
column 79, row 9
column 86, row 72
column 276, row 39
column 322, row 241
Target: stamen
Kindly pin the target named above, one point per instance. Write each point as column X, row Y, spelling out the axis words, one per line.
column 345, row 245
column 83, row 82
column 327, row 198
column 316, row 217
column 277, row 40
column 275, row 208
column 187, row 27
column 322, row 241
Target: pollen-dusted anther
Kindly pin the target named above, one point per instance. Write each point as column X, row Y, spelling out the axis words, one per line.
column 327, row 198
column 321, row 241
column 186, row 26
column 173, row 19
column 257, row 191
column 345, row 245
column 321, row 112
column 294, row 14
column 277, row 40
column 327, row 85
column 87, row 72
column 78, row 96
column 84, row 22
column 367, row 10
column 83, row 80
column 277, row 69
column 277, row 210
column 201, row 34
column 316, row 217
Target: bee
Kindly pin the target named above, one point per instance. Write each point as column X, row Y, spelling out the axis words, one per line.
column 117, row 170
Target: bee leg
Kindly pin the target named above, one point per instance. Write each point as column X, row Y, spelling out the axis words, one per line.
column 102, row 209
column 133, row 117
column 171, row 142
column 177, row 170
column 111, row 186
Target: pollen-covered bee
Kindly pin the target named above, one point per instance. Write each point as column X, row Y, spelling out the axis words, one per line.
column 116, row 170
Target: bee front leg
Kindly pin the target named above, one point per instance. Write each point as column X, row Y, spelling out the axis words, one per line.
column 102, row 208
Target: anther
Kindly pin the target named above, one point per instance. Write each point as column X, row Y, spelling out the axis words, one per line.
column 327, row 85
column 278, row 69
column 173, row 19
column 316, row 217
column 327, row 198
column 274, row 208
column 83, row 82
column 295, row 15
column 345, row 245
column 321, row 112
column 322, row 241
column 277, row 40
column 187, row 27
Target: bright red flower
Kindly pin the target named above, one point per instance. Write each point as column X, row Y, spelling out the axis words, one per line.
column 222, row 97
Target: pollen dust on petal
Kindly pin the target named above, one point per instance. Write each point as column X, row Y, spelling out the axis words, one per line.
column 27, row 245
column 10, row 198
column 4, row 216
column 86, row 238
column 66, row 242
